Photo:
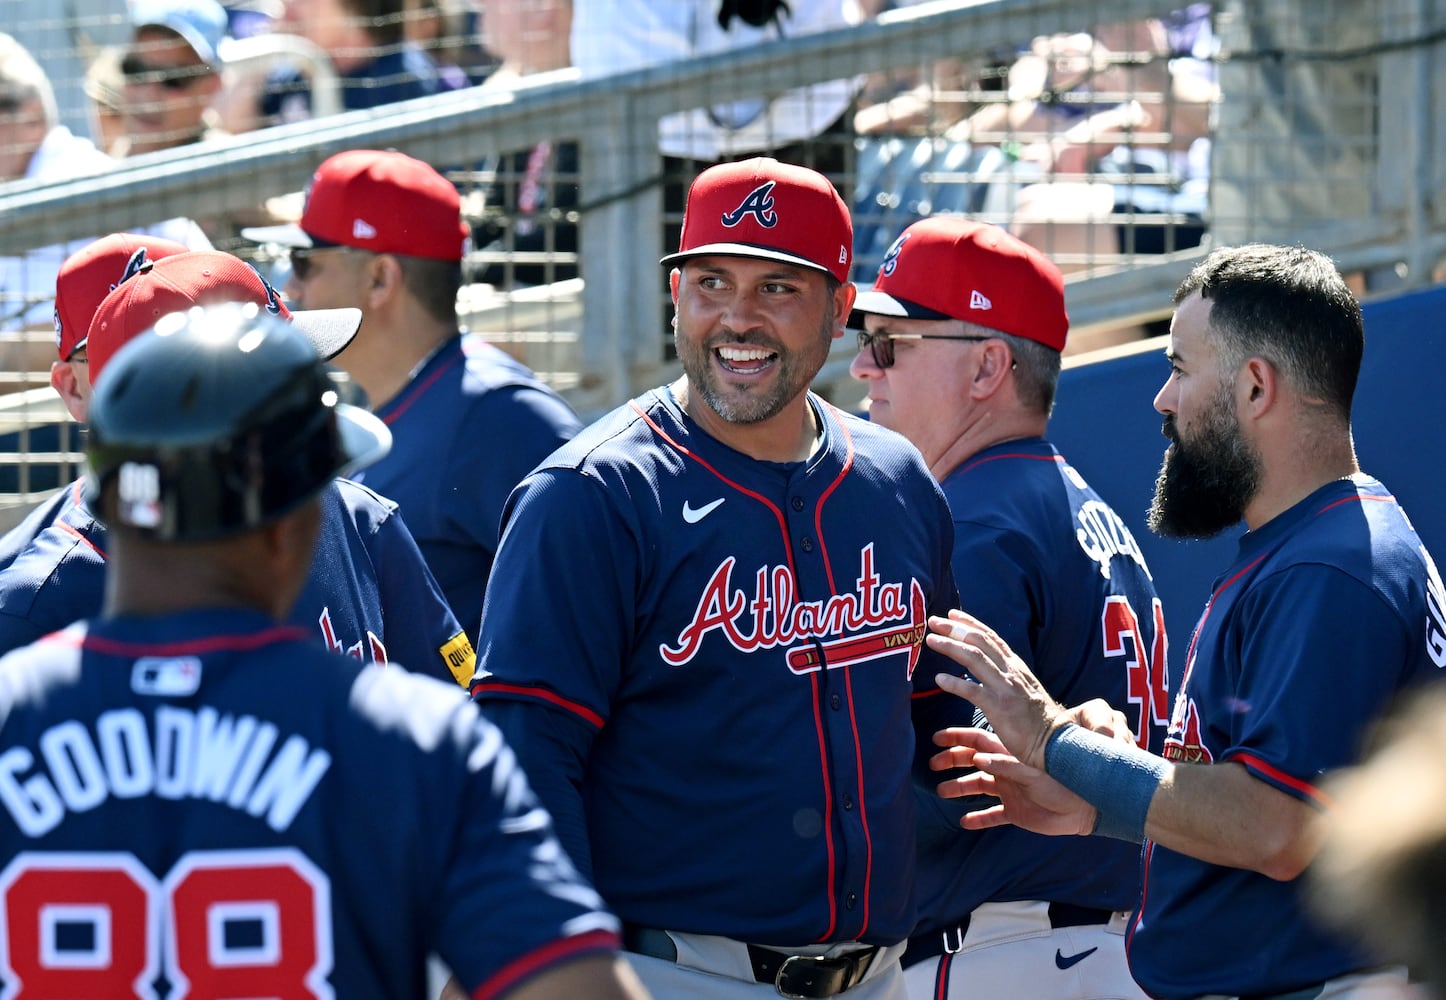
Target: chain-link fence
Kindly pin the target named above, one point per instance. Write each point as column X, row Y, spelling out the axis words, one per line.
column 1121, row 136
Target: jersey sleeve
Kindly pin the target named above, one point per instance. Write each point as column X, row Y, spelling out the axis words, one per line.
column 531, row 424
column 1316, row 660
column 507, row 903
column 422, row 632
column 556, row 629
column 557, row 626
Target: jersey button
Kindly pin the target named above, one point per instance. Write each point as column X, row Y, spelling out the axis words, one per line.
column 806, row 544
column 851, row 900
column 835, row 702
column 798, row 503
column 848, row 803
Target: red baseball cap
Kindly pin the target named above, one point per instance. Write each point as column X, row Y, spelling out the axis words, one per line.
column 770, row 210
column 202, row 278
column 947, row 267
column 385, row 202
column 90, row 274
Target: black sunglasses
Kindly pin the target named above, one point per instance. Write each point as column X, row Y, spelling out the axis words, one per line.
column 136, row 70
column 302, row 264
column 881, row 345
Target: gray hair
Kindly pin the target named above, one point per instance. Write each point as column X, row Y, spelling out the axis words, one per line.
column 22, row 80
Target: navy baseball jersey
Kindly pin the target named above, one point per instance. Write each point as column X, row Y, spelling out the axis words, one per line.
column 1330, row 610
column 369, row 594
column 208, row 804
column 1046, row 563
column 712, row 660
column 465, row 430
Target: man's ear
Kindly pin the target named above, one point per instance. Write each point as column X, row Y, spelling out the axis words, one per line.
column 1258, row 386
column 995, row 362
column 383, row 279
column 66, row 383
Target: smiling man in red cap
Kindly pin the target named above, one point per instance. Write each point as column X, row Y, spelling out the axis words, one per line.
column 960, row 348
column 369, row 593
column 383, row 231
column 710, row 639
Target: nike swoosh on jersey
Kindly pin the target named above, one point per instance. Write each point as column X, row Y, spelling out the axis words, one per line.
column 693, row 514
column 1062, row 962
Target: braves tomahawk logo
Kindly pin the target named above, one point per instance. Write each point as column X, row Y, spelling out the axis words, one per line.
column 273, row 301
column 891, row 256
column 876, row 620
column 760, row 204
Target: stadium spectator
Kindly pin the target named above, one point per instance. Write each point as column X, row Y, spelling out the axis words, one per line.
column 172, row 72
column 274, row 818
column 383, row 232
column 64, row 38
column 810, row 126
column 448, row 31
column 366, row 42
column 529, row 206
column 1329, row 612
column 1062, row 148
column 960, row 349
column 35, row 146
column 104, row 87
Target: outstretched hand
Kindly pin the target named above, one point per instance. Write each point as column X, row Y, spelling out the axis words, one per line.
column 1028, row 798
column 1017, row 706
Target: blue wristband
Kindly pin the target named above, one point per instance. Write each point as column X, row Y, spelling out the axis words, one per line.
column 1117, row 779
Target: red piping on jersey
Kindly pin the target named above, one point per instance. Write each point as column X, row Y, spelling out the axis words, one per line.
column 71, row 529
column 863, row 812
column 848, row 463
column 416, row 392
column 1311, row 792
column 813, row 678
column 537, row 960
column 1210, row 606
column 1144, row 895
column 680, row 449
column 1355, row 499
column 1013, row 454
column 542, row 694
column 827, row 808
column 212, row 644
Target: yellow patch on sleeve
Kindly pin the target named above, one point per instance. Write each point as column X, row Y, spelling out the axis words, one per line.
column 460, row 657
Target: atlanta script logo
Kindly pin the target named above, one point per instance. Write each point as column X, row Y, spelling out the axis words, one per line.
column 877, row 619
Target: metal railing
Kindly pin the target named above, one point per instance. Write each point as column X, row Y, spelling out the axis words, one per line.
column 1298, row 156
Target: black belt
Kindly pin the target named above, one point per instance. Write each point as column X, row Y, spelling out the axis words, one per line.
column 794, row 976
column 923, row 947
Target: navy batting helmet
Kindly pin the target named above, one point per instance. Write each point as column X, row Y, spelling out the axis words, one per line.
column 220, row 420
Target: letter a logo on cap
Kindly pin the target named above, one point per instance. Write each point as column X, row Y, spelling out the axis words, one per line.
column 978, row 301
column 759, row 204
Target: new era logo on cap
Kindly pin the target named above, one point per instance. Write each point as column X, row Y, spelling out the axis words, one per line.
column 411, row 210
column 1013, row 288
column 202, row 278
column 769, row 210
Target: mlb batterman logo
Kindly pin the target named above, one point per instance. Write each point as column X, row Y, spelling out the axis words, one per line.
column 759, row 204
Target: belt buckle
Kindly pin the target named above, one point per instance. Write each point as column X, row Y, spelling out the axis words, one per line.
column 816, row 960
